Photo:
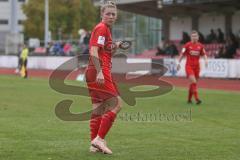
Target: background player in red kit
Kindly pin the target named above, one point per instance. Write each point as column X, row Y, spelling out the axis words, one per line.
column 102, row 89
column 193, row 50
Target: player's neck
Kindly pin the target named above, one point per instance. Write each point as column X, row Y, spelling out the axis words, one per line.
column 194, row 42
column 106, row 24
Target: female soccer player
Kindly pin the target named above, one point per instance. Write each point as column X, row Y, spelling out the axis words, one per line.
column 193, row 50
column 102, row 89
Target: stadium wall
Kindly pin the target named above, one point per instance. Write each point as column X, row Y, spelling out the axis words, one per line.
column 178, row 25
column 206, row 22
column 211, row 21
column 217, row 68
column 236, row 23
column 49, row 63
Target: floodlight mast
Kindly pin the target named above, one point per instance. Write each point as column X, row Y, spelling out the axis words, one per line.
column 14, row 18
column 46, row 30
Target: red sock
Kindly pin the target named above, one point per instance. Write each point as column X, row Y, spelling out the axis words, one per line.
column 195, row 91
column 106, row 123
column 190, row 92
column 95, row 125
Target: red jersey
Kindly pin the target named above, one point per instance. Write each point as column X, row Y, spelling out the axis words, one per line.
column 102, row 37
column 193, row 51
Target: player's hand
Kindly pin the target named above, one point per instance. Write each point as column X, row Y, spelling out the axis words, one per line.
column 100, row 78
column 125, row 45
column 178, row 66
column 115, row 46
column 118, row 44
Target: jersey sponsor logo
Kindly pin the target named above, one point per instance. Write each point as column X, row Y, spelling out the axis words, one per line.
column 194, row 53
column 101, row 40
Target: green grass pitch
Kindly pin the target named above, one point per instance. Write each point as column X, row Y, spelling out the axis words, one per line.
column 30, row 130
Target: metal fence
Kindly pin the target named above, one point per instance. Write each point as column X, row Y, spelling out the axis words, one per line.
column 144, row 32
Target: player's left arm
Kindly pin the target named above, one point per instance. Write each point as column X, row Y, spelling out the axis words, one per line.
column 204, row 54
column 206, row 60
column 116, row 45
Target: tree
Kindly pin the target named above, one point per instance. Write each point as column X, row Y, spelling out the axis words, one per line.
column 65, row 17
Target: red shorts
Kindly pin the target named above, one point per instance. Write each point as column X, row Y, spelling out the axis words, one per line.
column 100, row 93
column 192, row 70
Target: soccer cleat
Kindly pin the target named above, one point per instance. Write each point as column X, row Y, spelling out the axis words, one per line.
column 198, row 102
column 101, row 145
column 17, row 70
column 93, row 149
column 189, row 102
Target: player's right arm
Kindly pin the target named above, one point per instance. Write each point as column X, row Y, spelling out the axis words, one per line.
column 98, row 42
column 96, row 62
column 182, row 54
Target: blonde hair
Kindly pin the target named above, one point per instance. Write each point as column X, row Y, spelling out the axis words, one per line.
column 108, row 4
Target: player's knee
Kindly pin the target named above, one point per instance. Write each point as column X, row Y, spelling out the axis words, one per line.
column 98, row 108
column 118, row 105
column 193, row 79
column 117, row 109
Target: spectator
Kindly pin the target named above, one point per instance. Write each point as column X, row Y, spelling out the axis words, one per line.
column 160, row 51
column 160, row 48
column 75, row 48
column 201, row 38
column 86, row 43
column 185, row 38
column 171, row 49
column 58, row 49
column 221, row 53
column 238, row 36
column 20, row 47
column 231, row 48
column 51, row 49
column 82, row 33
column 212, row 37
column 87, row 38
column 67, row 49
column 220, row 37
column 231, row 35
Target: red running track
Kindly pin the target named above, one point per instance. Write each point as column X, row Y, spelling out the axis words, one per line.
column 207, row 83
